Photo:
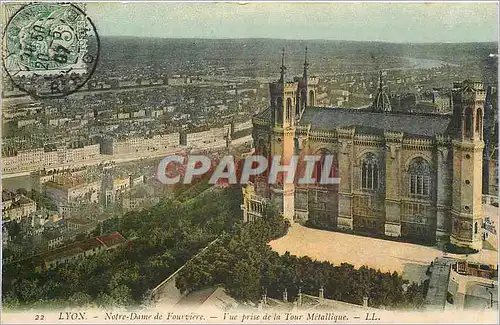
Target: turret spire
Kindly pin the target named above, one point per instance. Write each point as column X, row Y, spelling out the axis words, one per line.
column 380, row 81
column 306, row 65
column 382, row 102
column 283, row 68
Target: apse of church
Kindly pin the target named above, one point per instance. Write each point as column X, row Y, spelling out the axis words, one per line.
column 409, row 175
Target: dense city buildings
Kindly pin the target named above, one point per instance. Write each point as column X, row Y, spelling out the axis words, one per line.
column 132, row 145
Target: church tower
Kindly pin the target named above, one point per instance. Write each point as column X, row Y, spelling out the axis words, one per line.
column 306, row 92
column 283, row 102
column 283, row 99
column 467, row 133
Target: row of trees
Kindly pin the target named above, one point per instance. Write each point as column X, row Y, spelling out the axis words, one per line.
column 166, row 236
column 245, row 264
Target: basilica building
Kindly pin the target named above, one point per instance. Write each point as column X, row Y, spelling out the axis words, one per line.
column 410, row 175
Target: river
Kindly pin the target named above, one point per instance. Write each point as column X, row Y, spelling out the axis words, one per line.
column 13, row 183
column 417, row 63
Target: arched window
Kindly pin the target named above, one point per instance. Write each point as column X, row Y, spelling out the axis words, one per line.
column 479, row 126
column 279, row 110
column 260, row 148
column 468, row 125
column 303, row 99
column 311, row 98
column 370, row 172
column 318, row 170
column 288, row 109
column 420, row 177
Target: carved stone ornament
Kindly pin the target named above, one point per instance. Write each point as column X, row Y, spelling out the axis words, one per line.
column 345, row 147
column 301, row 141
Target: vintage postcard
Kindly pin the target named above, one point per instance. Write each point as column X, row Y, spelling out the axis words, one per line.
column 249, row 162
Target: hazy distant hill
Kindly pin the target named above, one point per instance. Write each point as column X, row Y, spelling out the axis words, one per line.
column 261, row 54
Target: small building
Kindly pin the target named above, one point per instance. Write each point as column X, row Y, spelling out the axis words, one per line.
column 441, row 98
column 67, row 189
column 74, row 224
column 212, row 298
column 80, row 249
column 55, row 240
column 16, row 206
column 472, row 286
column 71, row 252
column 5, row 235
column 137, row 203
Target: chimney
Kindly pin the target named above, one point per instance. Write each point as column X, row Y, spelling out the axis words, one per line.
column 365, row 301
column 285, row 296
column 321, row 293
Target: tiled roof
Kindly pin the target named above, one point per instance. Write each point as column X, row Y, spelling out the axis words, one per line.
column 426, row 125
column 7, row 195
column 57, row 254
column 89, row 244
column 265, row 114
column 112, row 239
column 70, row 250
column 24, row 200
column 79, row 221
column 212, row 297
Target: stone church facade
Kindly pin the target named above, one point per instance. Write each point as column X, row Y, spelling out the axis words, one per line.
column 409, row 175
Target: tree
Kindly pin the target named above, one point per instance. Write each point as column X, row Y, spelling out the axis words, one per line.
column 105, row 300
column 244, row 282
column 10, row 301
column 42, row 200
column 14, row 229
column 80, row 299
column 22, row 191
column 121, row 295
column 28, row 290
column 244, row 263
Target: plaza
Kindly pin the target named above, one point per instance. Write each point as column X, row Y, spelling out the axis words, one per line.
column 410, row 260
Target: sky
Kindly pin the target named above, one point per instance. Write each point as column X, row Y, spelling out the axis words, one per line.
column 389, row 22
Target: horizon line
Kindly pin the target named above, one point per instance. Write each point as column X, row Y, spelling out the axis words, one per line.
column 295, row 39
